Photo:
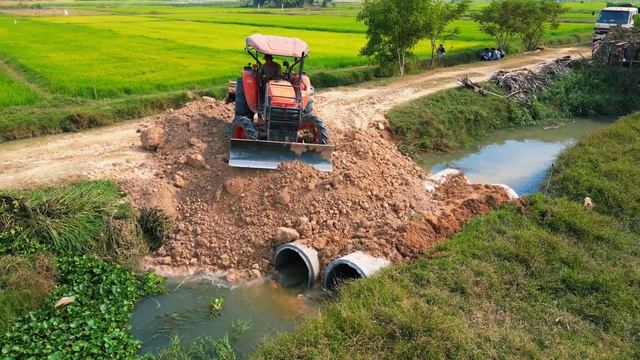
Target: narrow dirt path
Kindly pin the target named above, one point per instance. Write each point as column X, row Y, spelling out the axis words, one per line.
column 21, row 78
column 113, row 152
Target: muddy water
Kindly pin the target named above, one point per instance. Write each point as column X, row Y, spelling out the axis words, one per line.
column 519, row 158
column 185, row 311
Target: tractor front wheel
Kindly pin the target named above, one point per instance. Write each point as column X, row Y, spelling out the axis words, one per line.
column 312, row 130
column 242, row 128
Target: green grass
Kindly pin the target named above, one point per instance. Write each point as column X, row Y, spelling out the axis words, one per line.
column 95, row 325
column 604, row 166
column 82, row 218
column 14, row 93
column 79, row 241
column 554, row 281
column 452, row 119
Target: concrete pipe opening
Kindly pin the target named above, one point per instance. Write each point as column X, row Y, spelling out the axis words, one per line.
column 357, row 265
column 296, row 265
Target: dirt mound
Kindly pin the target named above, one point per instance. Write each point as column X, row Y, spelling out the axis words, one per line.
column 375, row 200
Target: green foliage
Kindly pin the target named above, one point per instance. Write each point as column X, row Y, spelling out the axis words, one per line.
column 25, row 281
column 504, row 20
column 593, row 90
column 604, row 167
column 216, row 305
column 394, row 28
column 84, row 218
column 497, row 20
column 203, row 348
column 56, row 116
column 94, row 325
column 453, row 118
column 439, row 14
column 536, row 15
column 14, row 93
column 156, row 225
column 552, row 281
column 133, row 61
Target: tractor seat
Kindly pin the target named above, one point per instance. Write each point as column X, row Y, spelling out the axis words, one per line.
column 282, row 93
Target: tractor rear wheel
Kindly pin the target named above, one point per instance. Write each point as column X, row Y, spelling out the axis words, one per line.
column 242, row 128
column 313, row 130
column 242, row 108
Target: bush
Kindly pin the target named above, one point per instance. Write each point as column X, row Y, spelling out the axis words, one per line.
column 156, row 225
column 95, row 325
column 593, row 91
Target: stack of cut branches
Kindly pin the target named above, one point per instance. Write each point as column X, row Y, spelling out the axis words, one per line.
column 556, row 67
column 521, row 83
column 518, row 84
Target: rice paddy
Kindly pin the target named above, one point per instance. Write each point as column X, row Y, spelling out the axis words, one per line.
column 111, row 51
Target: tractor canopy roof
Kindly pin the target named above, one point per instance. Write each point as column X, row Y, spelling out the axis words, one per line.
column 277, row 45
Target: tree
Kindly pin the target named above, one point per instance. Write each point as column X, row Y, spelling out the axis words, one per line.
column 501, row 20
column 538, row 14
column 506, row 19
column 394, row 27
column 439, row 15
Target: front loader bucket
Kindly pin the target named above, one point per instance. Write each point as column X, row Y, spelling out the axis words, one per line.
column 259, row 154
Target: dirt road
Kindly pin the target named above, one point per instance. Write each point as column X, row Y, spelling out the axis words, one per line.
column 114, row 152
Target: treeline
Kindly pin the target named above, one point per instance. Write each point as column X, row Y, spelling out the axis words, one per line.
column 394, row 27
column 286, row 3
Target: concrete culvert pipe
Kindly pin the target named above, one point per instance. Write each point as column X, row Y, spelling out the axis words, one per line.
column 357, row 265
column 297, row 265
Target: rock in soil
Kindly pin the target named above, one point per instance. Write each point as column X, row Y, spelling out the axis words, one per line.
column 151, row 138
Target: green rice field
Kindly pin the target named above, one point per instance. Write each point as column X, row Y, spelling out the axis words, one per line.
column 14, row 93
column 110, row 51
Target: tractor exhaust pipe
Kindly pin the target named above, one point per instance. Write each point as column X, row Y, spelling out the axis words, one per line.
column 297, row 265
column 356, row 265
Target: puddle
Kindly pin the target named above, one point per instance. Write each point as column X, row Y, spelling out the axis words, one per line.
column 185, row 312
column 519, row 158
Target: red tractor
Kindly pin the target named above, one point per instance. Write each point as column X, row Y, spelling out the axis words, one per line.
column 274, row 118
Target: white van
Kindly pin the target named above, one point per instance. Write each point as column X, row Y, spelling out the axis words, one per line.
column 613, row 16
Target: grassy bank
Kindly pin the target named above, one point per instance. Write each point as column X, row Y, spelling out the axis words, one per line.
column 76, row 243
column 454, row 118
column 544, row 279
column 604, row 166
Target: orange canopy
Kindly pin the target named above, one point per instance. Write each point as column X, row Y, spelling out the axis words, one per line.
column 277, row 45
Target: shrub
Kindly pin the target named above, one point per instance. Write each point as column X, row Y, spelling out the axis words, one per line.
column 592, row 91
column 155, row 224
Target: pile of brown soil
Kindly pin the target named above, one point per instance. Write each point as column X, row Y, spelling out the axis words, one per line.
column 232, row 219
